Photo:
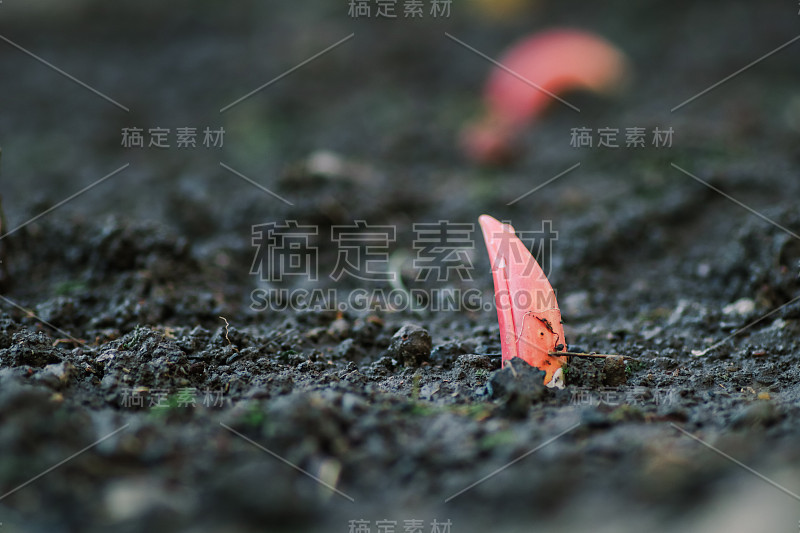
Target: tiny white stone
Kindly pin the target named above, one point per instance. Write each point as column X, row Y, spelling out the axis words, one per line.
column 558, row 380
column 742, row 306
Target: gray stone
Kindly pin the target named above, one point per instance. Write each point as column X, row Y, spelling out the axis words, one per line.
column 411, row 345
column 517, row 377
column 518, row 385
column 56, row 376
column 614, row 373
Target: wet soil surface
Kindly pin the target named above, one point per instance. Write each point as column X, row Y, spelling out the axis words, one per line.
column 143, row 389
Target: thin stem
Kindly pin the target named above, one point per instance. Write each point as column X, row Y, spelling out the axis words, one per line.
column 591, row 354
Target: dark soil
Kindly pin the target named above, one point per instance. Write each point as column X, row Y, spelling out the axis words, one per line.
column 132, row 359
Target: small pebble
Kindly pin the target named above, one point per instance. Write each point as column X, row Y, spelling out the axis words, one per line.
column 412, row 345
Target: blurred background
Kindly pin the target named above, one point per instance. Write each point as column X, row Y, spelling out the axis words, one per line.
column 393, row 97
column 392, row 100
column 389, row 103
